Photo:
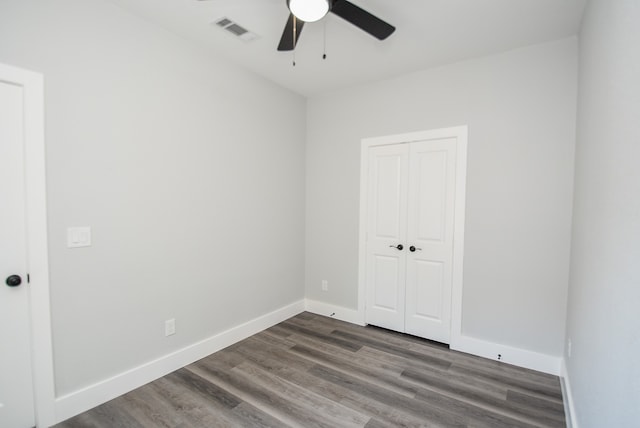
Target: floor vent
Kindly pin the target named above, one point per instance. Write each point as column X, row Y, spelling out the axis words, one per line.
column 237, row 30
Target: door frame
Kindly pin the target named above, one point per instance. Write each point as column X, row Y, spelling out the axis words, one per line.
column 460, row 133
column 37, row 244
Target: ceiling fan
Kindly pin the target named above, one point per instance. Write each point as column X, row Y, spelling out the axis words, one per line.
column 302, row 11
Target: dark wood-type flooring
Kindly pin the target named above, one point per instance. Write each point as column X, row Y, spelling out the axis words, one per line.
column 313, row 371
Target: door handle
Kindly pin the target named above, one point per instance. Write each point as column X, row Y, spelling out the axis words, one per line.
column 413, row 249
column 13, row 280
column 399, row 247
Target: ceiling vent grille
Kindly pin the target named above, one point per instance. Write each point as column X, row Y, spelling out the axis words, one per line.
column 223, row 22
column 237, row 30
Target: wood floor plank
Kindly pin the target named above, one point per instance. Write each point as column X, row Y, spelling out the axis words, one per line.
column 221, row 408
column 279, row 331
column 374, row 423
column 356, row 358
column 275, row 360
column 304, row 316
column 331, row 412
column 546, row 405
column 423, row 410
column 321, row 337
column 150, row 409
column 388, row 414
column 375, row 376
column 473, row 412
column 251, row 416
column 393, row 349
column 193, row 409
column 314, row 371
column 403, row 363
column 109, row 415
column 311, row 323
column 294, row 369
column 514, row 410
column 204, row 388
column 270, row 404
column 229, row 357
column 518, row 383
column 268, row 398
column 273, row 339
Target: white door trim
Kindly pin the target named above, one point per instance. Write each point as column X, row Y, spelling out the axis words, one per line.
column 461, row 135
column 37, row 255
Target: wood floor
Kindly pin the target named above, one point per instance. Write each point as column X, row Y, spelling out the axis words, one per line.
column 313, row 371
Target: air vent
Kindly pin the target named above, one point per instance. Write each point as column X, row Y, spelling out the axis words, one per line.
column 224, row 22
column 236, row 29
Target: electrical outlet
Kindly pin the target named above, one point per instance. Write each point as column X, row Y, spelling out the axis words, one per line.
column 569, row 348
column 325, row 285
column 170, row 327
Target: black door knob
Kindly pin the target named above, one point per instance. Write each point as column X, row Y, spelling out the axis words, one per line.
column 413, row 249
column 13, row 280
column 399, row 247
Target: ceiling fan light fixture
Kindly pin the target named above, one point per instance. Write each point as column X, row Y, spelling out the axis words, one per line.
column 308, row 10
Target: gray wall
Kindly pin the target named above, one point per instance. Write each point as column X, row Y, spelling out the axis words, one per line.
column 604, row 299
column 520, row 108
column 189, row 170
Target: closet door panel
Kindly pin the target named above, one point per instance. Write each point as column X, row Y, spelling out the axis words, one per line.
column 431, row 197
column 386, row 236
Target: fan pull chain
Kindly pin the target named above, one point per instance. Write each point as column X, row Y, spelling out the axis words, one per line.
column 324, row 30
column 295, row 30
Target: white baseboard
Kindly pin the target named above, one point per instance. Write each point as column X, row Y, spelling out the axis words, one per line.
column 569, row 408
column 333, row 311
column 84, row 399
column 516, row 356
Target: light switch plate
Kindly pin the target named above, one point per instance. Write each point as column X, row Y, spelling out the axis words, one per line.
column 78, row 237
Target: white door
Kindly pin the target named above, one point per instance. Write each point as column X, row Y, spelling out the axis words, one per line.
column 16, row 385
column 409, row 242
column 386, row 230
column 430, row 219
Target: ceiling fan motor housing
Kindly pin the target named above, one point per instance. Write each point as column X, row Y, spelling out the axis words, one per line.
column 309, row 10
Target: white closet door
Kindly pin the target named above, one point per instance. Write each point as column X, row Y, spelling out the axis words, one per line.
column 386, row 231
column 430, row 222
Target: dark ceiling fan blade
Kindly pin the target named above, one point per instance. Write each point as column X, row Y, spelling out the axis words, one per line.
column 286, row 41
column 362, row 19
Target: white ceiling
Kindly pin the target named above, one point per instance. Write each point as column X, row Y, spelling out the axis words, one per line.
column 428, row 33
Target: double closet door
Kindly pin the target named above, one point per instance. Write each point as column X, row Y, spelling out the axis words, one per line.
column 410, row 226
